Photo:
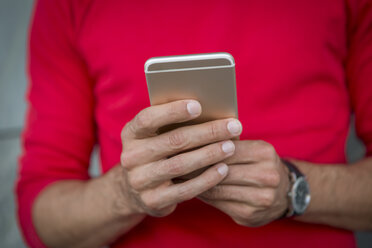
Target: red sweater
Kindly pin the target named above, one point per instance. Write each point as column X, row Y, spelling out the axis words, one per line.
column 301, row 66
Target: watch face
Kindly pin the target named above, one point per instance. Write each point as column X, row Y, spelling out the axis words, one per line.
column 301, row 195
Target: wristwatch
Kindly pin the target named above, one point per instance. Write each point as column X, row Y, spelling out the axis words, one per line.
column 299, row 191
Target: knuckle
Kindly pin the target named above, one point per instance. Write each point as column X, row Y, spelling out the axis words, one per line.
column 211, row 153
column 271, row 178
column 241, row 222
column 214, row 130
column 242, row 217
column 125, row 130
column 125, row 159
column 128, row 158
column 150, row 203
column 266, row 198
column 174, row 166
column 134, row 182
column 247, row 218
column 184, row 193
column 163, row 212
column 268, row 150
column 142, row 120
column 173, row 110
column 246, row 213
column 177, row 140
column 210, row 181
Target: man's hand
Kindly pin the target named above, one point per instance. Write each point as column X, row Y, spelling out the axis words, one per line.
column 151, row 161
column 254, row 191
column 68, row 213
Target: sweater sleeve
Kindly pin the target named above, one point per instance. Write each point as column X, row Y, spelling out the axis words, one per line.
column 59, row 133
column 359, row 69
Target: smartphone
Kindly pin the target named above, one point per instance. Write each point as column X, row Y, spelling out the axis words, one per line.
column 208, row 78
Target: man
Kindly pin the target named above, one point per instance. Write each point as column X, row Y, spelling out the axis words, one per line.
column 300, row 65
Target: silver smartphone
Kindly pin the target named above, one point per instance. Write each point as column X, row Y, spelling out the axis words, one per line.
column 208, row 78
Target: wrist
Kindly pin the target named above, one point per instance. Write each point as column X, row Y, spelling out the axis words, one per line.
column 122, row 206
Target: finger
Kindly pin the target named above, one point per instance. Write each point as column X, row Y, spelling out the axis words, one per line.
column 243, row 214
column 236, row 210
column 258, row 175
column 250, row 151
column 181, row 139
column 255, row 197
column 149, row 120
column 155, row 173
column 177, row 193
column 186, row 138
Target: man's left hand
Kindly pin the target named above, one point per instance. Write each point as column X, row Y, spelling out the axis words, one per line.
column 254, row 192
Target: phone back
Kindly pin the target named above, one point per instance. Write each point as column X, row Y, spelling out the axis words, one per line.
column 208, row 78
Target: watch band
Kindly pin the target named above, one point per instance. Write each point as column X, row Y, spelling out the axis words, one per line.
column 292, row 168
column 294, row 174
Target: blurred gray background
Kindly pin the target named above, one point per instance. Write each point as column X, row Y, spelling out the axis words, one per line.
column 14, row 21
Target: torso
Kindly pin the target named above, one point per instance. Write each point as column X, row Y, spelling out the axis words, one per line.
column 291, row 92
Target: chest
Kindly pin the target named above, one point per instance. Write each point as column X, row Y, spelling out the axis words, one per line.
column 289, row 54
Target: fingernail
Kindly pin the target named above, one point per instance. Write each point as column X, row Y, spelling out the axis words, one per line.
column 234, row 127
column 222, row 169
column 194, row 108
column 228, row 146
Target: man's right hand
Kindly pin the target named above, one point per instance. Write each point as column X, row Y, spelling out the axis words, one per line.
column 68, row 213
column 151, row 161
